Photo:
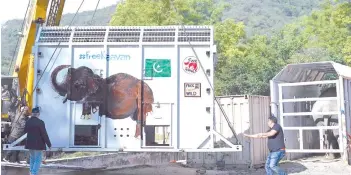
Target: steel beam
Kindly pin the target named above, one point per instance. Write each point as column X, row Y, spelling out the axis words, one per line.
column 309, row 83
column 309, row 99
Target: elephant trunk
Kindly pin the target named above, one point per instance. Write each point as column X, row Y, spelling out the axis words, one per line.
column 59, row 87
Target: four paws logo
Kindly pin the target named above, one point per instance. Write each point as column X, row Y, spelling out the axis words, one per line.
column 190, row 65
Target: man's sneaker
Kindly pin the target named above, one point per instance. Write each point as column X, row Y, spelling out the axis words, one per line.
column 5, row 160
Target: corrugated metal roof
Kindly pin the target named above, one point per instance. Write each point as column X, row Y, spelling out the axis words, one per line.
column 315, row 71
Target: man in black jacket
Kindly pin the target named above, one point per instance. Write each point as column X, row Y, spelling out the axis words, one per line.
column 37, row 139
column 276, row 146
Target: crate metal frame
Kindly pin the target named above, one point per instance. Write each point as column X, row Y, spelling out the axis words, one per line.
column 127, row 36
column 319, row 128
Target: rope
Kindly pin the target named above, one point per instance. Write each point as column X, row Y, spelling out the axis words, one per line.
column 14, row 52
column 91, row 21
column 203, row 70
column 57, row 47
column 61, row 48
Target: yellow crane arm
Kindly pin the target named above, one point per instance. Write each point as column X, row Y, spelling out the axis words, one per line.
column 24, row 67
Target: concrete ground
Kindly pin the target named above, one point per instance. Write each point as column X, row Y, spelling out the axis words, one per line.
column 311, row 166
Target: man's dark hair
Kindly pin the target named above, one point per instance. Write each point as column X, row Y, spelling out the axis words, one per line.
column 273, row 119
column 36, row 110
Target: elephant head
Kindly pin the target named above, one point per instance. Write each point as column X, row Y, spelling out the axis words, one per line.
column 78, row 84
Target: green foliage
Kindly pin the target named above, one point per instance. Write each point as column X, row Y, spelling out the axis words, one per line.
column 324, row 35
column 10, row 29
column 259, row 17
column 162, row 12
column 8, row 43
column 227, row 36
column 250, row 73
column 254, row 39
column 265, row 16
column 245, row 65
column 347, row 51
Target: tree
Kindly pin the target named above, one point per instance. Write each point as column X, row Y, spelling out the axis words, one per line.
column 187, row 12
column 324, row 34
column 347, row 51
column 167, row 12
column 250, row 73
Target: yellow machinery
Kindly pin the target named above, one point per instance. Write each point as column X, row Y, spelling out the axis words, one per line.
column 40, row 12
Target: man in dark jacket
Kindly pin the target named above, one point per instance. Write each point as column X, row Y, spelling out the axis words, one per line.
column 37, row 139
column 276, row 146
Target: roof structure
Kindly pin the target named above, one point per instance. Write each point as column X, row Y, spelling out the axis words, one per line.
column 315, row 71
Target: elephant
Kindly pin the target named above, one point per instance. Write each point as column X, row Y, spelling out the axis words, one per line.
column 118, row 96
column 331, row 136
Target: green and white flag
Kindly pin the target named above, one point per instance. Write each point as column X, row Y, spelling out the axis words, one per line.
column 157, row 68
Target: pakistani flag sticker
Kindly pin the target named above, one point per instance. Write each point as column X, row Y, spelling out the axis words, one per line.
column 157, row 68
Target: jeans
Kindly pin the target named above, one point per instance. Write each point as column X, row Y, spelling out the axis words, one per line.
column 272, row 163
column 35, row 161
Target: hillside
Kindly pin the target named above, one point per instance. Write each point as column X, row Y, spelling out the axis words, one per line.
column 10, row 29
column 265, row 16
column 259, row 17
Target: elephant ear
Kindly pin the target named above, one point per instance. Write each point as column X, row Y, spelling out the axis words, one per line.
column 92, row 85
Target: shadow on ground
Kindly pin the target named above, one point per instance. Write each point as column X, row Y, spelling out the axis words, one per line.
column 293, row 167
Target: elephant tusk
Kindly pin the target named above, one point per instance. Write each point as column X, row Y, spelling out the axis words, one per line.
column 65, row 99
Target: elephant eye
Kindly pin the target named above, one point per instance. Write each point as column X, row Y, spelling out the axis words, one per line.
column 79, row 84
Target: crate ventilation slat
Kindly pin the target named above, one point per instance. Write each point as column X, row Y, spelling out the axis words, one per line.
column 125, row 34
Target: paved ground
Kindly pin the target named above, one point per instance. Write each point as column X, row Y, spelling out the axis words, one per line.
column 312, row 166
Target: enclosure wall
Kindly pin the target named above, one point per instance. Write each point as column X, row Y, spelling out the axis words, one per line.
column 301, row 108
column 292, row 136
column 248, row 114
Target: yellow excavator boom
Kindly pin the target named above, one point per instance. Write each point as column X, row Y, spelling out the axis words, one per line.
column 24, row 67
